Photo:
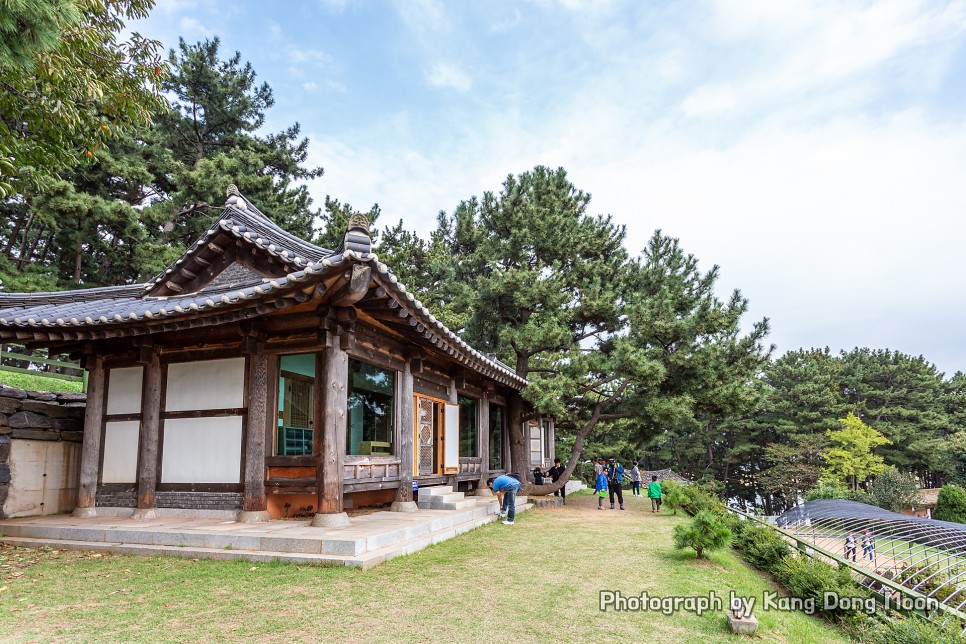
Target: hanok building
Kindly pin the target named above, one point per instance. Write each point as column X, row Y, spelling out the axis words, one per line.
column 263, row 374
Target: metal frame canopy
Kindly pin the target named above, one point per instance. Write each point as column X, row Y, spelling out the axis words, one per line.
column 924, row 555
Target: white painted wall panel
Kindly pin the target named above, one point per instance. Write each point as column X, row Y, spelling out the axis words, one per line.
column 451, row 446
column 121, row 452
column 202, row 450
column 124, row 390
column 207, row 384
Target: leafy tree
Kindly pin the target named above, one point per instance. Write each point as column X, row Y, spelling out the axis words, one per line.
column 849, row 455
column 69, row 85
column 796, row 467
column 895, row 491
column 951, row 504
column 707, row 531
column 834, row 489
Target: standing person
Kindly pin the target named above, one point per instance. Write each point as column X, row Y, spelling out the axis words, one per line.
column 868, row 545
column 615, row 482
column 850, row 546
column 654, row 493
column 537, row 476
column 600, row 487
column 598, row 467
column 506, row 487
column 555, row 473
column 636, row 480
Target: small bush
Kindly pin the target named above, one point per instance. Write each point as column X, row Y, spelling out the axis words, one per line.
column 951, row 504
column 912, row 630
column 673, row 495
column 829, row 490
column 762, row 546
column 810, row 579
column 895, row 491
column 707, row 531
column 691, row 498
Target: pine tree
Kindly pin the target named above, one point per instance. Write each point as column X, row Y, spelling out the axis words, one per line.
column 213, row 133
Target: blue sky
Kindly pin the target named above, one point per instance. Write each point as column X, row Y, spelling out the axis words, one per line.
column 816, row 151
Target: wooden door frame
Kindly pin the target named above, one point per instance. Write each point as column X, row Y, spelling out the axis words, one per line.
column 440, row 432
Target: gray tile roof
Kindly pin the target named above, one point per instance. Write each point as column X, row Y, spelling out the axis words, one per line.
column 135, row 304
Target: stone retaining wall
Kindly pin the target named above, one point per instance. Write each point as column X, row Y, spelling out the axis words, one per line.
column 40, row 446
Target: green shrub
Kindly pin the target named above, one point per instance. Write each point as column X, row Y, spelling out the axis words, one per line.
column 762, row 546
column 810, row 579
column 951, row 504
column 894, row 490
column 912, row 630
column 692, row 499
column 831, row 490
column 707, row 531
column 673, row 495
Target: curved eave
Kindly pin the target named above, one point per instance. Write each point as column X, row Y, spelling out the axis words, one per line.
column 447, row 340
column 243, row 222
column 57, row 321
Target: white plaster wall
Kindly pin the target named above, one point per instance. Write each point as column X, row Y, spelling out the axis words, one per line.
column 124, row 390
column 451, row 446
column 44, row 477
column 206, row 384
column 202, row 450
column 121, row 452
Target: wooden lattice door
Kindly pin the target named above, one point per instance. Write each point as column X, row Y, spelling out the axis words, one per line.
column 427, row 423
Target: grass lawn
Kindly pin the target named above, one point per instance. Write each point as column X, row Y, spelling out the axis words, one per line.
column 38, row 383
column 536, row 581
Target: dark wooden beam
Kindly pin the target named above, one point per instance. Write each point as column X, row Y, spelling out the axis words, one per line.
column 356, row 287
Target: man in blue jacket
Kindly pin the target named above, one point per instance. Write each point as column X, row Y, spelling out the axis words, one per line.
column 615, row 482
column 506, row 487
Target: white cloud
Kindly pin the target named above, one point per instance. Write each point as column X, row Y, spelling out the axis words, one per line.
column 192, row 27
column 310, row 87
column 448, row 75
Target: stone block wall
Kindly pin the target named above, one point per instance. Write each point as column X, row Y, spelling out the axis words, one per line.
column 40, row 446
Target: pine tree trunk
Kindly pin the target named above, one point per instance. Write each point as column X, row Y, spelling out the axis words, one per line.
column 14, row 234
column 47, row 245
column 28, row 257
column 78, row 255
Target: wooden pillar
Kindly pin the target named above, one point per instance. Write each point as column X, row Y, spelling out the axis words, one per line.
column 404, row 445
column 333, row 394
column 255, row 505
column 453, row 479
column 93, row 431
column 483, row 425
column 150, row 431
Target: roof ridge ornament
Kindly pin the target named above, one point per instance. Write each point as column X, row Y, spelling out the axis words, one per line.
column 357, row 241
column 237, row 200
column 359, row 223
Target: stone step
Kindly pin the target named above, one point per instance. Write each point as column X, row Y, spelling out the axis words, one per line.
column 220, row 535
column 424, row 493
column 442, row 531
column 439, row 499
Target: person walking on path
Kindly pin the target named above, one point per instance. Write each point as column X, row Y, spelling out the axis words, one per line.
column 636, row 480
column 615, row 482
column 868, row 546
column 850, row 546
column 654, row 494
column 555, row 473
column 506, row 487
column 600, row 487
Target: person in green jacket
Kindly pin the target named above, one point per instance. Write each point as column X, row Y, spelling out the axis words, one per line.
column 654, row 494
